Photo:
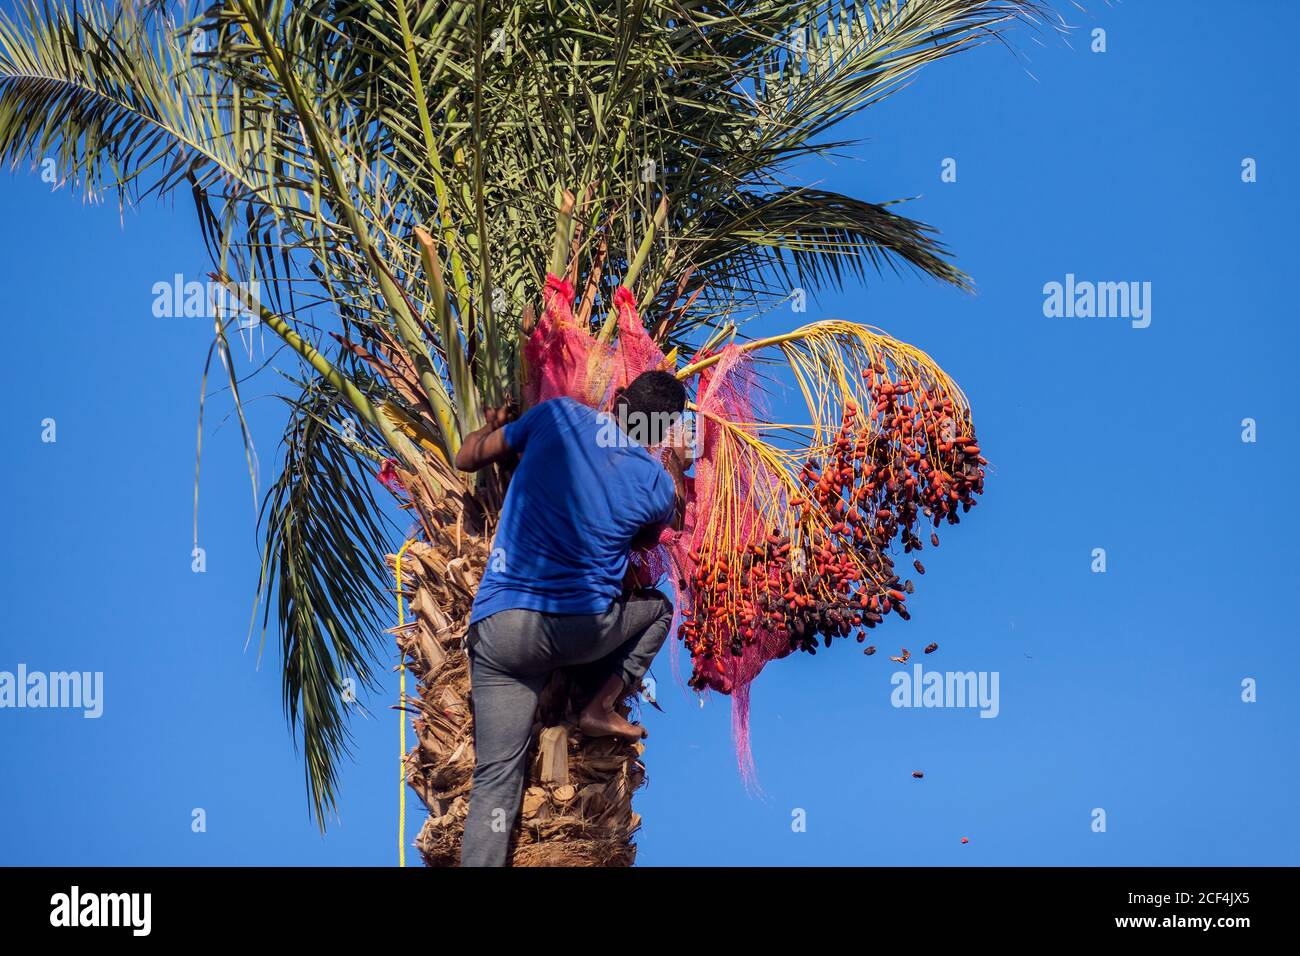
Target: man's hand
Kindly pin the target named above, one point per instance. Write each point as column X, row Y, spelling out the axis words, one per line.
column 498, row 417
column 674, row 464
column 648, row 537
column 488, row 444
column 684, row 452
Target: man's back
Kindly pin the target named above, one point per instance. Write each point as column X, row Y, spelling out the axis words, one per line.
column 580, row 494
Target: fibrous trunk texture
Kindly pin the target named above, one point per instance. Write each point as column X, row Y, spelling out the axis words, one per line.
column 577, row 807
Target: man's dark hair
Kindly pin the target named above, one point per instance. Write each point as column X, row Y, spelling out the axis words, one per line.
column 652, row 400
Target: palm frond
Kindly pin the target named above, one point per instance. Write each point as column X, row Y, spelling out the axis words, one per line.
column 324, row 537
column 833, row 364
column 809, row 238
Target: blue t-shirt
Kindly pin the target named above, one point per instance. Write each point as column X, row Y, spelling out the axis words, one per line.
column 581, row 492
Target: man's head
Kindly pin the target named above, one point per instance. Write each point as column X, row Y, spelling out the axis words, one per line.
column 650, row 405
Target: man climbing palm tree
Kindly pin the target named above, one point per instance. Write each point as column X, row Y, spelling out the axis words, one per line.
column 553, row 594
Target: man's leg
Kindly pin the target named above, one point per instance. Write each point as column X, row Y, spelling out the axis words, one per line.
column 637, row 624
column 643, row 624
column 504, row 705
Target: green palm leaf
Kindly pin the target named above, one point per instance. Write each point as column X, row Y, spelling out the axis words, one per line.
column 323, row 572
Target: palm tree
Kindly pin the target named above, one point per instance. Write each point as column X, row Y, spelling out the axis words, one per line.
column 399, row 181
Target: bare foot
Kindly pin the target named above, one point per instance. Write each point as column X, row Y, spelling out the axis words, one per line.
column 606, row 723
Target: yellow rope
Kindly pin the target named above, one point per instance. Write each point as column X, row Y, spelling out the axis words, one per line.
column 401, row 716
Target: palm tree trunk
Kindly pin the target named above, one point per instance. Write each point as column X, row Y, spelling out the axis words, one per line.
column 577, row 807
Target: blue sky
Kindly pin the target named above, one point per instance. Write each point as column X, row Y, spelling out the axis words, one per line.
column 1119, row 690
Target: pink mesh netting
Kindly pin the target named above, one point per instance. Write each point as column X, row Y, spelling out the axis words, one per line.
column 728, row 391
column 565, row 359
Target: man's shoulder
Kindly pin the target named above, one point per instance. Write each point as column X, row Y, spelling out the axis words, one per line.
column 559, row 409
column 570, row 407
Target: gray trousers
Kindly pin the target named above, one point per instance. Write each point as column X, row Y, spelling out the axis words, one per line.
column 512, row 653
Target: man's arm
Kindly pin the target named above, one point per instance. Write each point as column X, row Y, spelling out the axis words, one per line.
column 487, row 445
column 675, row 466
column 648, row 536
